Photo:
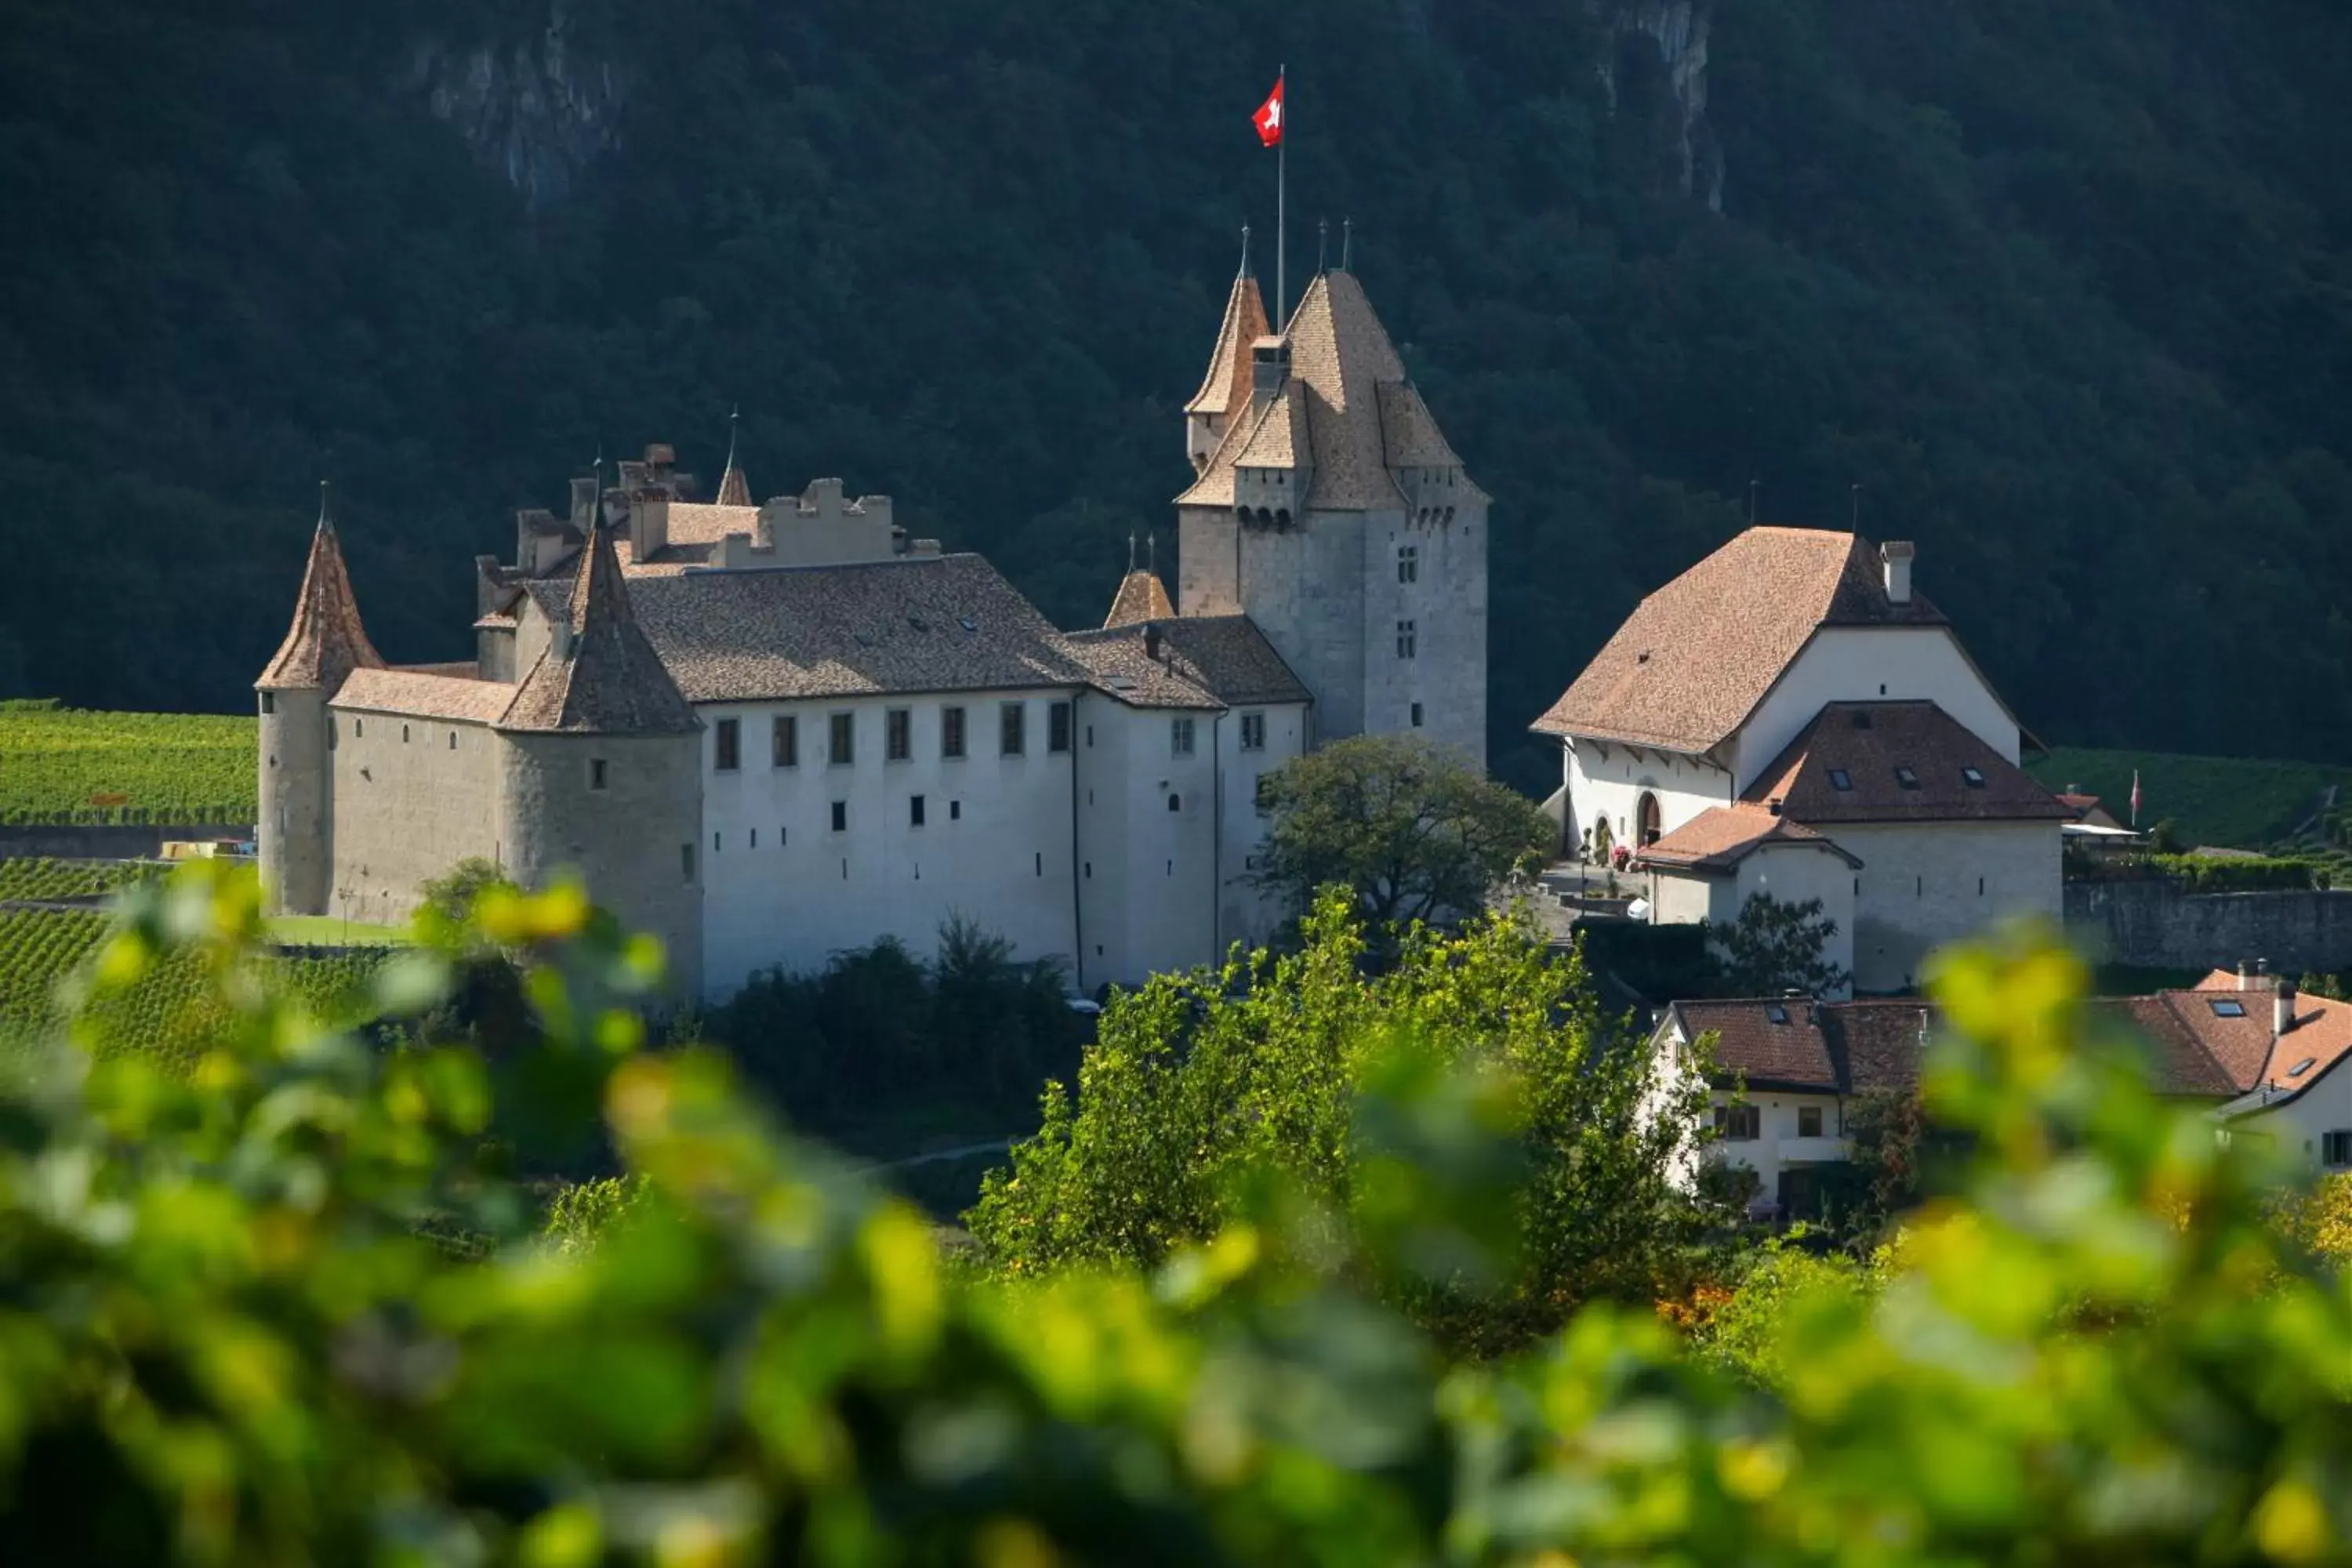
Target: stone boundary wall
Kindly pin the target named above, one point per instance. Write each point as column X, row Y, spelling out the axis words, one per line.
column 111, row 841
column 2154, row 925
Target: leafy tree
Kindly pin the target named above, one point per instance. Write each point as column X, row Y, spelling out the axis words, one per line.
column 452, row 895
column 1195, row 1082
column 239, row 1327
column 1774, row 947
column 1414, row 829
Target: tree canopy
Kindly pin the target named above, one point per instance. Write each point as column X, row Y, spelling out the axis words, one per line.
column 291, row 1305
column 1413, row 830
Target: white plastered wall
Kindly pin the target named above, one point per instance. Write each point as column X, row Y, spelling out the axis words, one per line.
column 803, row 891
column 1147, row 874
column 1872, row 664
column 2300, row 1125
column 1607, row 779
column 1923, row 885
column 1246, row 913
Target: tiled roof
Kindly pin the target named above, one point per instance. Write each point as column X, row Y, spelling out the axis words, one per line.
column 1116, row 661
column 1225, row 658
column 734, row 490
column 1142, row 596
column 326, row 641
column 1722, row 836
column 609, row 680
column 1866, row 744
column 1876, row 1045
column 1696, row 658
column 2322, row 1032
column 937, row 623
column 1226, row 386
column 425, row 695
column 1348, row 414
column 1778, row 1043
column 1409, row 431
column 2183, row 1062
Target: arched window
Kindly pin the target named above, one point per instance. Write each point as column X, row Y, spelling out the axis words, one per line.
column 1282, row 518
column 1652, row 822
column 1265, row 518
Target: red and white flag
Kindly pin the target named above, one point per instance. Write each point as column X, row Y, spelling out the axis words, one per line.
column 2135, row 797
column 1268, row 118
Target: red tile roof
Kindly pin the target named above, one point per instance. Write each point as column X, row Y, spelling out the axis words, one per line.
column 1875, row 746
column 1720, row 838
column 327, row 641
column 1694, row 659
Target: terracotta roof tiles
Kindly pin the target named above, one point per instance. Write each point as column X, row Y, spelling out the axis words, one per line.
column 422, row 694
column 1900, row 762
column 609, row 679
column 1694, row 659
column 1720, row 837
column 327, row 640
column 1142, row 596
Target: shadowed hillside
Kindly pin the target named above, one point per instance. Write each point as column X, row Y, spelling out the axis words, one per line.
column 2061, row 287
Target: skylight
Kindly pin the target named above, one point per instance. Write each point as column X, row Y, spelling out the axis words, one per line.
column 1779, row 1015
column 2303, row 1067
column 2225, row 1007
column 1973, row 777
column 1840, row 779
column 1907, row 778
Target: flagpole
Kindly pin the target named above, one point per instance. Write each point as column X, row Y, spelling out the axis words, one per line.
column 1281, row 194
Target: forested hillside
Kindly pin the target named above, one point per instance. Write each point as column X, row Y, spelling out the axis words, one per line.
column 2061, row 287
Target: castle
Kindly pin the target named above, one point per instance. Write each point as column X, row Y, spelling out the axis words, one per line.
column 767, row 732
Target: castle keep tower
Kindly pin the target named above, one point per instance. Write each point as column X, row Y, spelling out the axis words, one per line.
column 1328, row 508
column 324, row 645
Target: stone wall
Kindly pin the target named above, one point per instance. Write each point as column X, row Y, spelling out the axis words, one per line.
column 69, row 841
column 411, row 798
column 2156, row 925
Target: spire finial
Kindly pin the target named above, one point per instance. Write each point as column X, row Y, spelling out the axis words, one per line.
column 326, row 502
column 1322, row 244
column 1346, row 241
column 1753, row 486
column 1151, row 550
column 1130, row 550
column 1856, row 488
column 734, row 431
column 1242, row 276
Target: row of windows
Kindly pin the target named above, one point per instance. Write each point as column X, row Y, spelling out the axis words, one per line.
column 898, row 736
column 359, row 726
column 918, row 813
column 1745, row 1124
column 1906, row 778
column 840, row 819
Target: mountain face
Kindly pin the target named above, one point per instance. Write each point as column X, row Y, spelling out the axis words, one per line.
column 2058, row 293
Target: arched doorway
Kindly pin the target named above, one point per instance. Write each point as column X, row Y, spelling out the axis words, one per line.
column 1651, row 821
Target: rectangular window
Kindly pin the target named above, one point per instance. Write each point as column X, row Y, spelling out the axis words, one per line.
column 1180, row 736
column 785, row 742
column 1253, row 731
column 1907, row 778
column 840, row 742
column 955, row 811
column 1416, row 715
column 686, row 860
column 595, row 772
column 1013, row 735
column 1407, row 639
column 1739, row 1123
column 1809, row 1121
column 1058, row 727
column 269, row 703
column 1408, row 563
column 1840, row 779
column 914, row 811
column 2336, row 1148
column 403, row 734
column 951, row 732
column 841, row 816
column 728, row 743
column 898, row 735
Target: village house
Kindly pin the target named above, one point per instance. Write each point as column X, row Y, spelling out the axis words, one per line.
column 766, row 732
column 1790, row 717
column 2267, row 1061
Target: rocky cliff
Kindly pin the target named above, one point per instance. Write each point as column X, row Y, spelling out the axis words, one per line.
column 536, row 108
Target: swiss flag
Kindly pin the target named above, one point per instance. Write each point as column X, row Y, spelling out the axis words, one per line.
column 1268, row 118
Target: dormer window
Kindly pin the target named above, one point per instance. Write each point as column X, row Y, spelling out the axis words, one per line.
column 1972, row 777
column 1907, row 778
column 1840, row 779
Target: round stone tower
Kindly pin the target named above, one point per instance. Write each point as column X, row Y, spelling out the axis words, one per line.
column 295, row 835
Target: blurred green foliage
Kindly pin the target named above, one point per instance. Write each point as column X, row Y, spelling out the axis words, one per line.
column 227, row 1335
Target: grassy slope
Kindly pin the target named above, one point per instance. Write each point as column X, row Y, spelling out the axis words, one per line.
column 2240, row 803
column 70, row 765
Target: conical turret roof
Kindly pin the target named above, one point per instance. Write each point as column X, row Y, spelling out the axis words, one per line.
column 734, row 490
column 1141, row 597
column 609, row 679
column 1226, row 386
column 327, row 640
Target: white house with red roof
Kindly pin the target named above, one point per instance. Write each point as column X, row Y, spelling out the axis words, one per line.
column 1792, row 717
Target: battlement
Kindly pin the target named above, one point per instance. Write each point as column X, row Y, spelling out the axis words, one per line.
column 819, row 527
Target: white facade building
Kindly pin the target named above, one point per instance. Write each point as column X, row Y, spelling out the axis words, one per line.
column 1793, row 681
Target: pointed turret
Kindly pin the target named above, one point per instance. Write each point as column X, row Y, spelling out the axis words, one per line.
column 327, row 640
column 1141, row 597
column 734, row 490
column 599, row 675
column 1225, row 388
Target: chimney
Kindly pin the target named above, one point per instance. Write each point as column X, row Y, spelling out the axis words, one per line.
column 2261, row 969
column 1773, row 806
column 2245, row 975
column 1269, row 368
column 583, row 501
column 2282, row 1007
column 648, row 523
column 1895, row 554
